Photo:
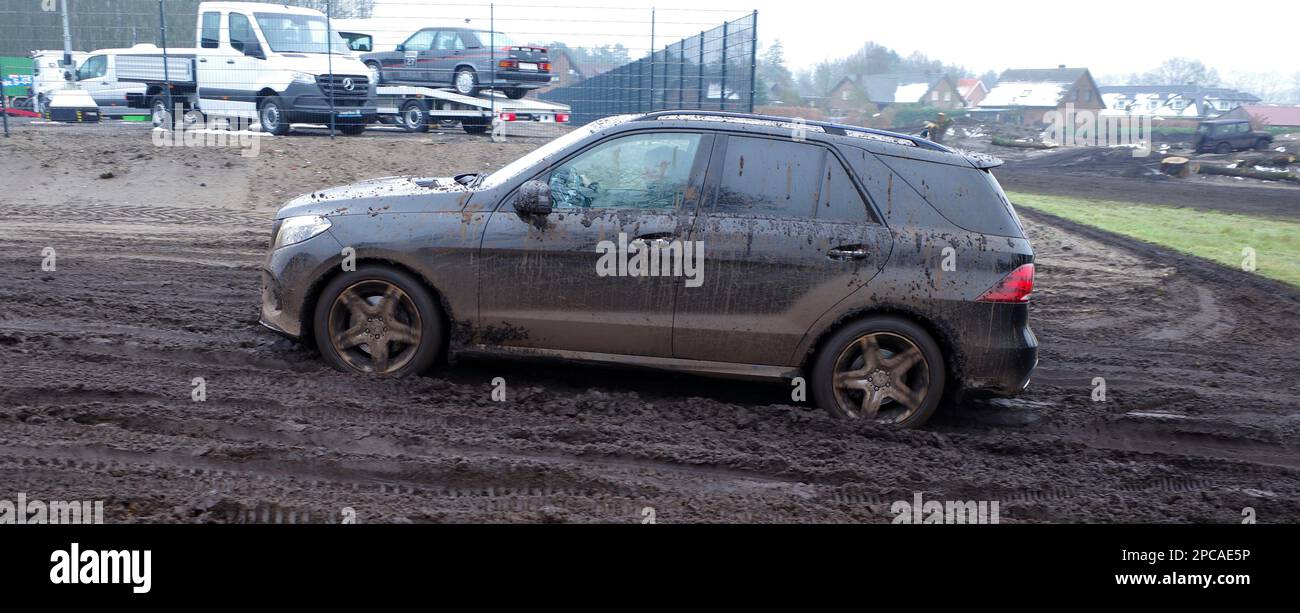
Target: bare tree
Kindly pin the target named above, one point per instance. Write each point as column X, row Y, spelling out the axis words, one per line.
column 1182, row 71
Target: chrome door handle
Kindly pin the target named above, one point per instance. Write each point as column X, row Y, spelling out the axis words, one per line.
column 848, row 252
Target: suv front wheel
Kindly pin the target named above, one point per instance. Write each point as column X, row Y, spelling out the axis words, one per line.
column 378, row 320
column 880, row 368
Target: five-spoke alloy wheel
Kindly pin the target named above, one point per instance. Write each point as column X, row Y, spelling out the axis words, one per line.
column 378, row 320
column 884, row 369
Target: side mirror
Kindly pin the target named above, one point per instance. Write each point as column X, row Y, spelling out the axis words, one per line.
column 533, row 198
column 401, row 47
column 253, row 48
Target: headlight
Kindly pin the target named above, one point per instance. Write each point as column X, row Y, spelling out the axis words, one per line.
column 298, row 229
column 304, row 77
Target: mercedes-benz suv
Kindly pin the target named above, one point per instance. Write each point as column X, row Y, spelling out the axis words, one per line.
column 886, row 271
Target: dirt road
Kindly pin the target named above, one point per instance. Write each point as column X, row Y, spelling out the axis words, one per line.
column 156, row 285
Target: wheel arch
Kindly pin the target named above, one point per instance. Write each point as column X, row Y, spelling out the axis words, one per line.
column 953, row 358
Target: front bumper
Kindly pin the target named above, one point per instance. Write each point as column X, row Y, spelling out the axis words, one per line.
column 289, row 276
column 306, row 103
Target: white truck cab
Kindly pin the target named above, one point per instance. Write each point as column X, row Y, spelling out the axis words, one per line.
column 278, row 64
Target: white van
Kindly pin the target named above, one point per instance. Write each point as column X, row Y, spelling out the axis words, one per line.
column 271, row 63
column 97, row 74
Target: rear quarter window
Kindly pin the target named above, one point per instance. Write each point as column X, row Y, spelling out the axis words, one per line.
column 968, row 197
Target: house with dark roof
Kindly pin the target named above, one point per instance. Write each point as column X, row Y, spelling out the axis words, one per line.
column 1025, row 96
column 1173, row 101
column 1266, row 115
column 567, row 70
column 871, row 93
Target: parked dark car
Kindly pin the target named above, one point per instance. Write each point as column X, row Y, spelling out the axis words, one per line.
column 885, row 270
column 1228, row 135
column 465, row 59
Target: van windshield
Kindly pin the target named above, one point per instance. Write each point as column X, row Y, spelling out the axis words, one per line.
column 289, row 33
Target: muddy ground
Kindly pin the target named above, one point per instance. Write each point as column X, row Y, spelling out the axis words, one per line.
column 157, row 283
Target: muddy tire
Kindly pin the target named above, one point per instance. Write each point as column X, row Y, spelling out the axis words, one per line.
column 270, row 114
column 1223, row 148
column 352, row 129
column 1263, row 145
column 380, row 321
column 465, row 82
column 414, row 116
column 882, row 368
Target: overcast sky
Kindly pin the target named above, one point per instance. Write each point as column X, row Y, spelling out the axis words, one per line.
column 1108, row 36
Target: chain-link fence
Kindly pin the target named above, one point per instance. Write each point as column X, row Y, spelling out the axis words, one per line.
column 714, row 70
column 511, row 69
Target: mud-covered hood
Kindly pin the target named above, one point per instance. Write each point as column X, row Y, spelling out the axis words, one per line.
column 395, row 194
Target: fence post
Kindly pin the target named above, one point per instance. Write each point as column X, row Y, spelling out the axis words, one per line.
column 167, row 75
column 681, row 74
column 652, row 59
column 329, row 58
column 4, row 103
column 700, row 93
column 753, row 59
column 722, row 87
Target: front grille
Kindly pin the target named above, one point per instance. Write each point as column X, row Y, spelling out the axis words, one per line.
column 334, row 84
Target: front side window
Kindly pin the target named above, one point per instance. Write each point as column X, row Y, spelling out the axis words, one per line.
column 289, row 33
column 94, row 67
column 241, row 32
column 210, row 36
column 359, row 42
column 641, row 171
column 770, row 178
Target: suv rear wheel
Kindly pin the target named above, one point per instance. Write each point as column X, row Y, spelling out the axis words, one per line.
column 880, row 368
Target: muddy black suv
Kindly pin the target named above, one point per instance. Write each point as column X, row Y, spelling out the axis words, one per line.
column 880, row 271
column 1228, row 135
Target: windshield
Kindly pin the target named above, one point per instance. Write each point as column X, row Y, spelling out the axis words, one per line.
column 540, row 154
column 494, row 39
column 287, row 33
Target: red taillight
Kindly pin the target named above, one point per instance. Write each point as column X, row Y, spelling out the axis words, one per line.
column 562, row 118
column 1015, row 287
column 507, row 63
column 507, row 116
column 544, row 67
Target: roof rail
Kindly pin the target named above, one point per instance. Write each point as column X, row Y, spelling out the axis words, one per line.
column 779, row 121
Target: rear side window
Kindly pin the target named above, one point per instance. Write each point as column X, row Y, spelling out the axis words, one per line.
column 840, row 200
column 770, row 178
column 210, row 36
column 968, row 197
